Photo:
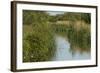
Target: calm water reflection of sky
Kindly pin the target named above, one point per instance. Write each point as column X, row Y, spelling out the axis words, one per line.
column 63, row 51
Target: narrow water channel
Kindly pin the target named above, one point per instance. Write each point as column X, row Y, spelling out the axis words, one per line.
column 63, row 51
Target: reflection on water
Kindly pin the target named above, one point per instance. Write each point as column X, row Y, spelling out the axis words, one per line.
column 63, row 51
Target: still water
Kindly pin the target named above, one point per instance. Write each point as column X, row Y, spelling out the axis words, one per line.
column 63, row 51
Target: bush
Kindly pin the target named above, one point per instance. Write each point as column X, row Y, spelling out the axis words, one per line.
column 39, row 45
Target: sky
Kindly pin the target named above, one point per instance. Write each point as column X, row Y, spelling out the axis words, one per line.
column 55, row 12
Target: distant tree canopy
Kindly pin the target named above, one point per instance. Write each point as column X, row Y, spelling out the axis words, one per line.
column 86, row 17
column 72, row 16
column 30, row 17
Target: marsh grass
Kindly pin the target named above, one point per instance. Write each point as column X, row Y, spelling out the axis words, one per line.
column 78, row 35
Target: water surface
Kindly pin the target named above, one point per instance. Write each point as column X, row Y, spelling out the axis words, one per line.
column 63, row 51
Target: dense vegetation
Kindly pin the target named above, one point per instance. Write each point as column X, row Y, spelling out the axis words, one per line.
column 39, row 28
column 71, row 16
column 38, row 41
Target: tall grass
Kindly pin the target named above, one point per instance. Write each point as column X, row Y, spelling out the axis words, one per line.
column 79, row 36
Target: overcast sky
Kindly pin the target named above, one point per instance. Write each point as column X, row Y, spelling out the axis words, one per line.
column 55, row 12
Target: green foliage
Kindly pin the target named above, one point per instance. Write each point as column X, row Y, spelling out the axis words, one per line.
column 40, row 48
column 80, row 38
column 39, row 41
column 32, row 17
column 86, row 17
column 72, row 16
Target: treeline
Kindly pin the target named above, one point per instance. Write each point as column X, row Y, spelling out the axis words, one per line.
column 31, row 16
column 71, row 16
